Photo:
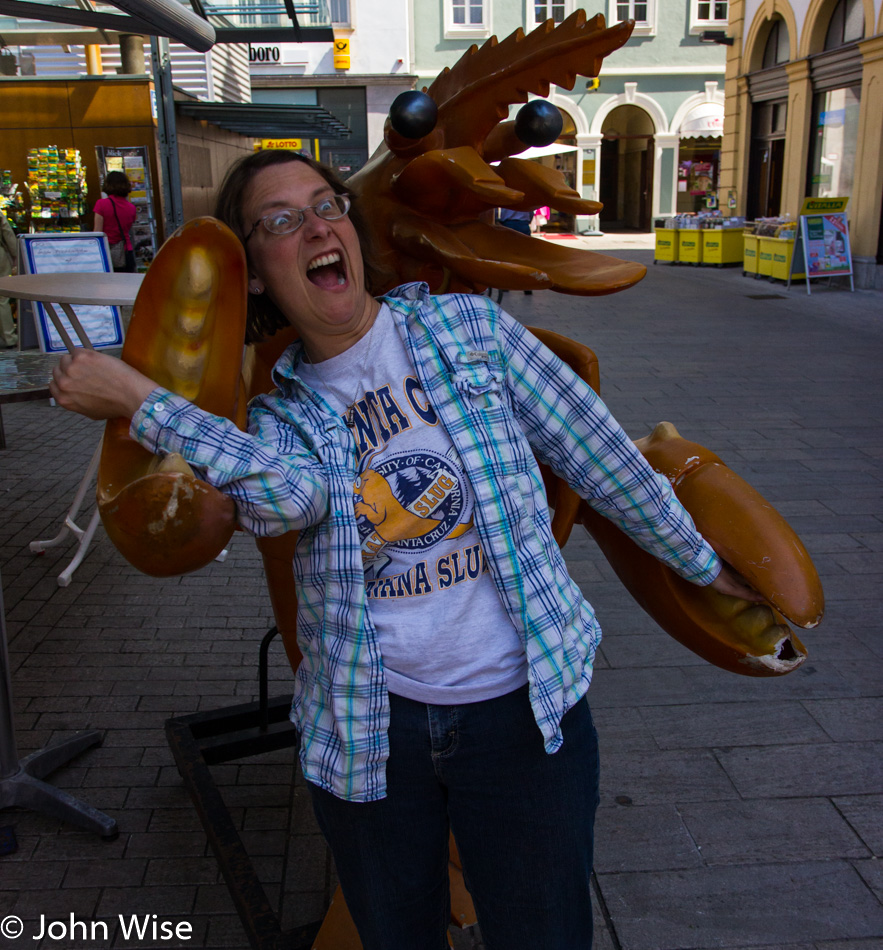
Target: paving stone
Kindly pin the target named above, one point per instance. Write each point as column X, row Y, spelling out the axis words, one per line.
column 871, row 871
column 827, row 648
column 756, row 905
column 800, row 771
column 622, row 730
column 163, row 871
column 769, row 832
column 105, row 872
column 848, row 720
column 704, row 725
column 166, row 844
column 653, row 777
column 647, row 651
column 226, row 932
column 872, row 944
column 865, row 814
column 165, row 901
column 638, row 687
column 213, row 899
column 708, row 684
column 650, row 838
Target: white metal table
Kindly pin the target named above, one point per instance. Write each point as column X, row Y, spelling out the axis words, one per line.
column 96, row 289
column 99, row 290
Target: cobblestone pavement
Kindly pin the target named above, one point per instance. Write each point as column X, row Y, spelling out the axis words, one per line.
column 736, row 812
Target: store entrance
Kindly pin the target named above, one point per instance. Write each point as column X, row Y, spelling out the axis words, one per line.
column 767, row 161
column 626, row 178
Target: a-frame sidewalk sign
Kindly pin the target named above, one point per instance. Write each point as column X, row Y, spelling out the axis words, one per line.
column 822, row 241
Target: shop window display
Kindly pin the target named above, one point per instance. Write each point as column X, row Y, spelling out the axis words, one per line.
column 832, row 159
column 698, row 164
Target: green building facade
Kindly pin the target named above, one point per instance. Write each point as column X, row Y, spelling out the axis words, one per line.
column 645, row 139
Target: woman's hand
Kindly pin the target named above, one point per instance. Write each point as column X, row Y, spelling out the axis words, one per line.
column 98, row 386
column 734, row 585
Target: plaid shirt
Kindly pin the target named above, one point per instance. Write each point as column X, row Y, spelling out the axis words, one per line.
column 502, row 397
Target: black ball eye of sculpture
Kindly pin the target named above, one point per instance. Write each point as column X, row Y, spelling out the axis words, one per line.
column 538, row 123
column 413, row 114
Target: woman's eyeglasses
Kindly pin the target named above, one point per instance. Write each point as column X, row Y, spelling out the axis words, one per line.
column 286, row 220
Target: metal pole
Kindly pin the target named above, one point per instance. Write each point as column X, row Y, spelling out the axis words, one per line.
column 8, row 754
column 170, row 171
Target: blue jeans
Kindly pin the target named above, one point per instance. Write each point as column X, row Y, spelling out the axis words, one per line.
column 523, row 227
column 523, row 821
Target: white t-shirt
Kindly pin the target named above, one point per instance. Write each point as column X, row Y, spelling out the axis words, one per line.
column 443, row 632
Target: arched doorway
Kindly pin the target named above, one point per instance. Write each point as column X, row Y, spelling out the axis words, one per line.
column 626, row 182
column 768, row 88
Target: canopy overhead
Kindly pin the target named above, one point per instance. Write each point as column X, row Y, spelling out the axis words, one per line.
column 198, row 24
column 540, row 151
column 261, row 120
column 705, row 119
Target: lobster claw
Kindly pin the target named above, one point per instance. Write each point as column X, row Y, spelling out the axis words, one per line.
column 186, row 332
column 747, row 638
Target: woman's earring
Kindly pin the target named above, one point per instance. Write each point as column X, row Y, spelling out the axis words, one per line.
column 255, row 290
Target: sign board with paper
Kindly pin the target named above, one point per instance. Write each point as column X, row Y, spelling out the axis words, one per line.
column 823, row 240
column 71, row 253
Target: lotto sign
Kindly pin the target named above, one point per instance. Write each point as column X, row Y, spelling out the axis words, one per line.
column 341, row 54
column 294, row 144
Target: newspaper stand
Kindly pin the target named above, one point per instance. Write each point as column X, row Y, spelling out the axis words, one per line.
column 765, row 256
column 749, row 254
column 666, row 245
column 721, row 246
column 690, row 246
column 783, row 253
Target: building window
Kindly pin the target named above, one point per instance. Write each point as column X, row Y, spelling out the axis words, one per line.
column 708, row 15
column 777, row 49
column 832, row 162
column 467, row 18
column 557, row 10
column 847, row 24
column 643, row 12
column 340, row 12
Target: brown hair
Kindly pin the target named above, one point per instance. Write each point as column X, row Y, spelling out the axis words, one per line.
column 117, row 183
column 264, row 317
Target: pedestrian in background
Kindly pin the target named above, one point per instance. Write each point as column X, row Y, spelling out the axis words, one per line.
column 8, row 260
column 115, row 215
column 515, row 220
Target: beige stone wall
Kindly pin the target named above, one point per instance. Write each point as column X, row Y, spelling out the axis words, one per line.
column 205, row 152
column 745, row 56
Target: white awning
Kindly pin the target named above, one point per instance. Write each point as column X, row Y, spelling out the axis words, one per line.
column 540, row 151
column 705, row 119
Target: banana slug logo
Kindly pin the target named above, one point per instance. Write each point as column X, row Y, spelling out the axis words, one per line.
column 409, row 502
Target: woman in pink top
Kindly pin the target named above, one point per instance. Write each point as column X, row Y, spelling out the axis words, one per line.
column 115, row 215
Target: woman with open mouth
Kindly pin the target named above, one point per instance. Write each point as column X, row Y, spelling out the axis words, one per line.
column 447, row 653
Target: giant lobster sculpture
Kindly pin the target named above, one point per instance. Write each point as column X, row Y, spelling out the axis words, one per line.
column 431, row 190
